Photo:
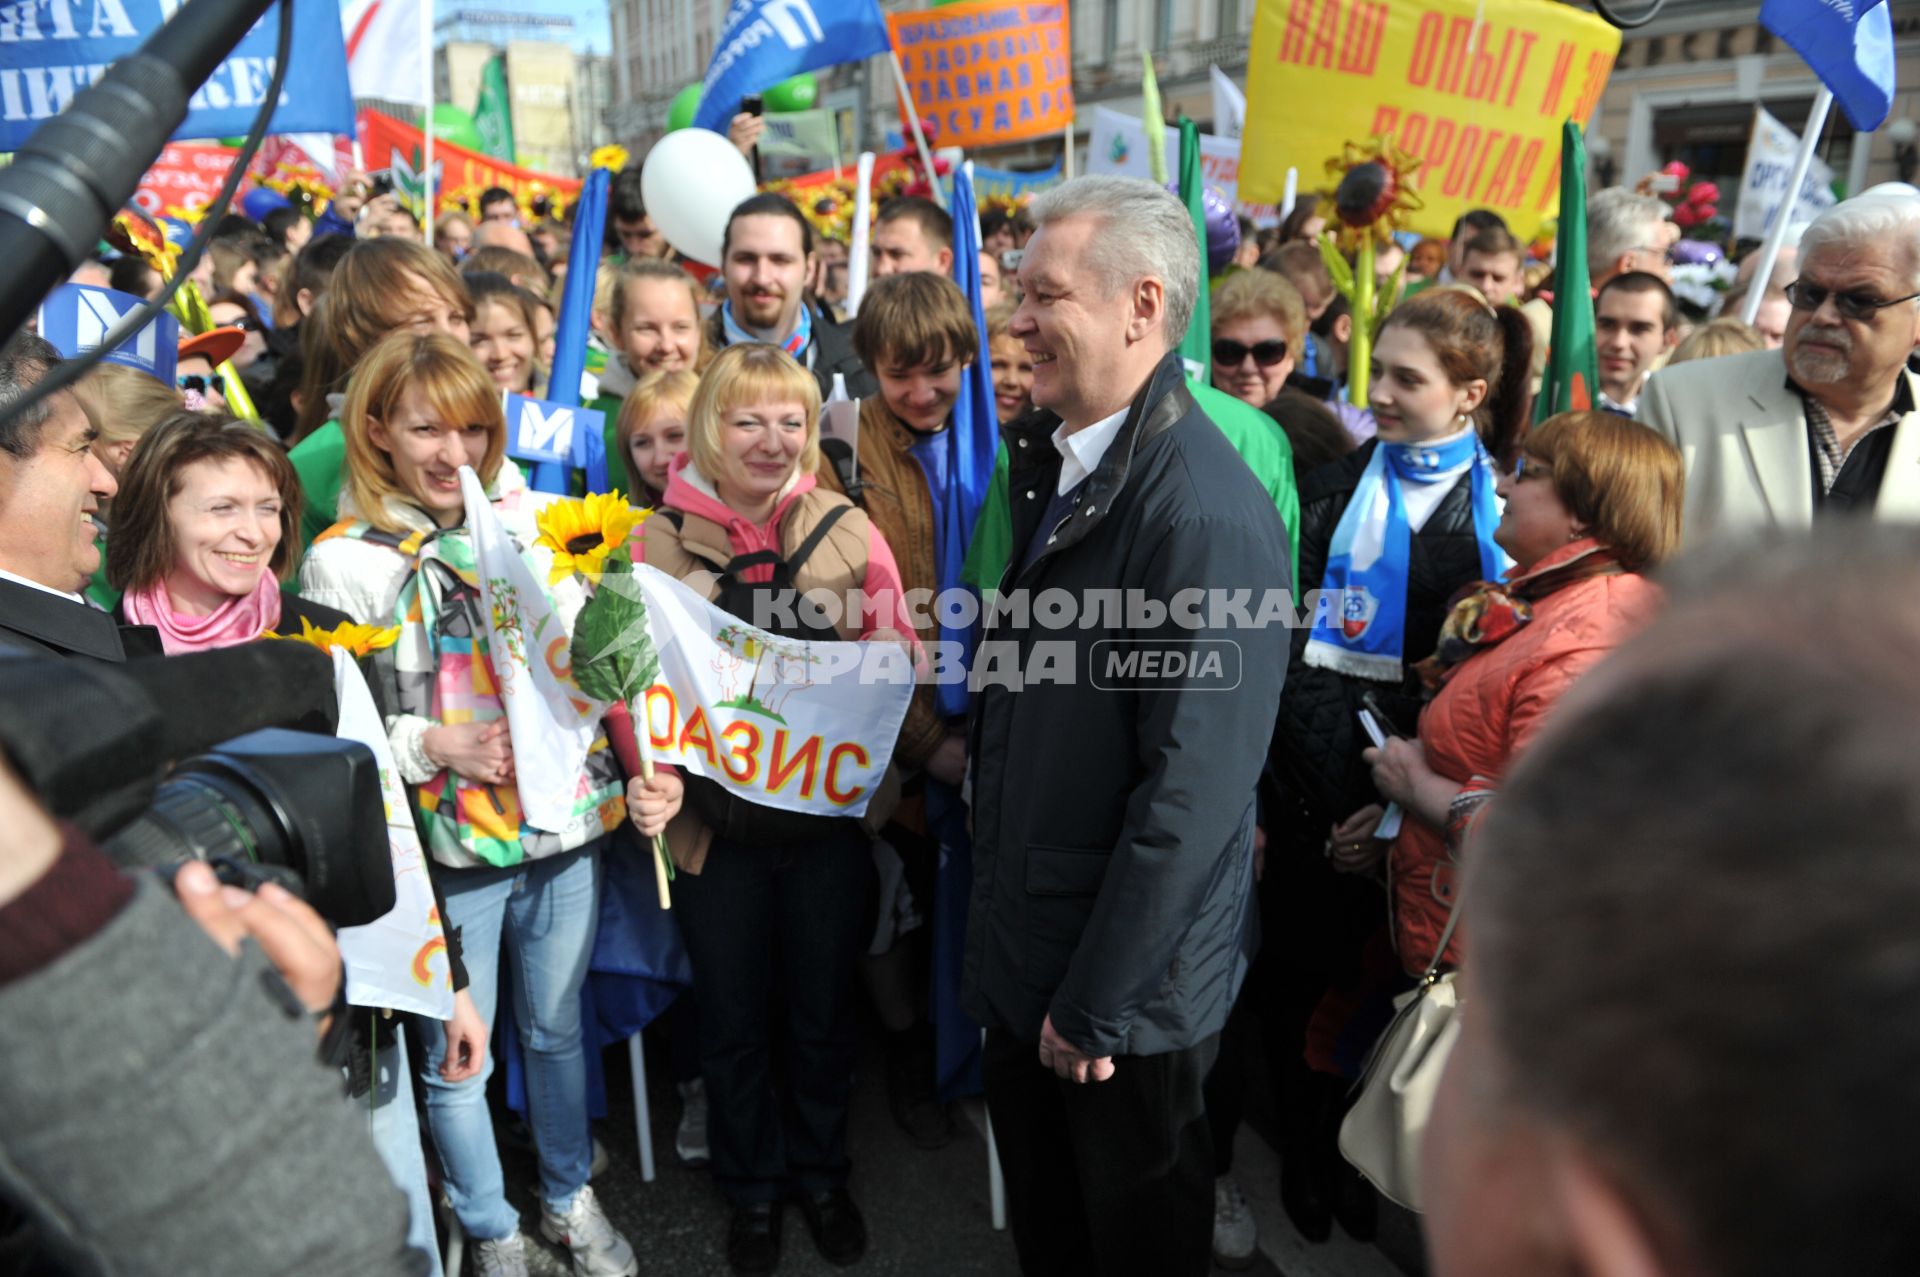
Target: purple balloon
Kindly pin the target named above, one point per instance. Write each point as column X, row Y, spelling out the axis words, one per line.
column 1696, row 252
column 1223, row 227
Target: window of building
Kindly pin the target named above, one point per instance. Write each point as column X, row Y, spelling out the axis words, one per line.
column 1162, row 25
column 1109, row 32
column 1227, row 18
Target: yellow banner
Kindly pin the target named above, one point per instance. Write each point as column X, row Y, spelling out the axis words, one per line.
column 1482, row 109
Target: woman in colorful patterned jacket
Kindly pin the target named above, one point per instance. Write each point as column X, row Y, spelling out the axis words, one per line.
column 420, row 409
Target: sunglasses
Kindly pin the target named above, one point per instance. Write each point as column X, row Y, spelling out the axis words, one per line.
column 198, row 384
column 1230, row 354
column 1860, row 307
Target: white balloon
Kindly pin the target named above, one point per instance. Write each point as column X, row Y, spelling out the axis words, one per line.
column 692, row 181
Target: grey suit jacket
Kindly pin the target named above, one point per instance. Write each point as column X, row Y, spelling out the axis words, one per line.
column 1743, row 435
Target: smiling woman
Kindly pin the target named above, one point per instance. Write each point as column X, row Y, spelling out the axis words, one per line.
column 205, row 524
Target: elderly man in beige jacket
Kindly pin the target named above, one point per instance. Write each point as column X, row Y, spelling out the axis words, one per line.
column 1830, row 423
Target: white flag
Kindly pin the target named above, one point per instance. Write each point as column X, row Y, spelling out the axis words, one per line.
column 782, row 722
column 1763, row 187
column 385, row 57
column 391, row 961
column 551, row 736
column 1229, row 105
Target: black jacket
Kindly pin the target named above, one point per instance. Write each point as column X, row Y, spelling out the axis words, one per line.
column 1113, row 811
column 1317, row 743
column 832, row 353
column 35, row 623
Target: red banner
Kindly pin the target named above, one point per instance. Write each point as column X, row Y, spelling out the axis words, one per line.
column 184, row 180
column 387, row 144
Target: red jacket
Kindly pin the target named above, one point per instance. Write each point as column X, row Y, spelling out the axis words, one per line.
column 1487, row 713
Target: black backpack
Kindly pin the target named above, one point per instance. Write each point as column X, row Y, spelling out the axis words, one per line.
column 726, row 813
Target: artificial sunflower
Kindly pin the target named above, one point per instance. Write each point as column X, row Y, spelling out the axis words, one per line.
column 582, row 533
column 1372, row 196
column 357, row 640
column 134, row 232
column 612, row 156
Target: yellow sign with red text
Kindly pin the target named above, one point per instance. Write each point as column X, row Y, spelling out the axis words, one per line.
column 1479, row 103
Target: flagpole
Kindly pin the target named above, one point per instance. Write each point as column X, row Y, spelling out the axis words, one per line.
column 426, row 96
column 1067, row 160
column 913, row 122
column 1777, row 233
column 862, row 231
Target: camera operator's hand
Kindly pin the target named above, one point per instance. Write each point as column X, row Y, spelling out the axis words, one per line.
column 744, row 131
column 477, row 752
column 652, row 803
column 295, row 939
column 466, row 1041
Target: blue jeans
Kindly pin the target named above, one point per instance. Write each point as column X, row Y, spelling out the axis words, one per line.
column 545, row 912
column 395, row 1126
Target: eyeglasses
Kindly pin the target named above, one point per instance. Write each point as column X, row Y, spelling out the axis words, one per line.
column 1523, row 471
column 1230, row 354
column 1859, row 307
column 198, row 384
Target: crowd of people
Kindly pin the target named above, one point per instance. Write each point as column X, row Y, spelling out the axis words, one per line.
column 1183, row 888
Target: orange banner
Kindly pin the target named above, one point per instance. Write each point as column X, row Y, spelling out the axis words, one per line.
column 987, row 72
column 387, row 144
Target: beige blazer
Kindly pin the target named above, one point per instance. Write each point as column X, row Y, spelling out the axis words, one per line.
column 1743, row 435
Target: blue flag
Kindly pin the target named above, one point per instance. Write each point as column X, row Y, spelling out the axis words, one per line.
column 571, row 329
column 1848, row 44
column 58, row 48
column 556, row 439
column 763, row 42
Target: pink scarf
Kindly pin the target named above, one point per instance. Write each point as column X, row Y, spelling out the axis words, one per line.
column 241, row 619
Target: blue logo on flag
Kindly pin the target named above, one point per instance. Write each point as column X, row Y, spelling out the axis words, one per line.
column 58, row 48
column 76, row 318
column 763, row 42
column 540, row 430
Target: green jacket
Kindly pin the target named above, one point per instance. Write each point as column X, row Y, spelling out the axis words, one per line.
column 1254, row 435
column 320, row 460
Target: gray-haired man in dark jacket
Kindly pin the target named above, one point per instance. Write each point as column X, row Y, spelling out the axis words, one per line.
column 1128, row 689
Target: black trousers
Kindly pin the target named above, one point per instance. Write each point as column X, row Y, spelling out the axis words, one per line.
column 1105, row 1178
column 778, row 932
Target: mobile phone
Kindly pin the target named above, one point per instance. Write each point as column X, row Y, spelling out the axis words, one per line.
column 1372, row 726
column 753, row 104
column 1382, row 721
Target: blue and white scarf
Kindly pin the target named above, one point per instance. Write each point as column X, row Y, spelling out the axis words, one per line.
column 1371, row 554
column 797, row 343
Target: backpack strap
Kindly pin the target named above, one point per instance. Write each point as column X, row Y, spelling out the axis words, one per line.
column 815, row 537
column 840, row 453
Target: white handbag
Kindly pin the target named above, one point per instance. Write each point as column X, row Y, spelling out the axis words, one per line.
column 1381, row 1134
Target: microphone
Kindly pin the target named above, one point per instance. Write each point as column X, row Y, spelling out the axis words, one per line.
column 78, row 169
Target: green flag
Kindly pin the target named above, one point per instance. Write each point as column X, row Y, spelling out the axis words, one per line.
column 493, row 116
column 1196, row 346
column 1154, row 122
column 1573, row 370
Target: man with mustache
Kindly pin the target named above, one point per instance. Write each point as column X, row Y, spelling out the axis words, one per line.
column 766, row 257
column 1827, row 424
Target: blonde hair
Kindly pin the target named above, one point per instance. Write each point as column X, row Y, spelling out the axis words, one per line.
column 456, row 387
column 1000, row 321
column 1726, row 335
column 651, row 393
column 750, row 373
column 1261, row 292
column 631, row 272
column 124, row 403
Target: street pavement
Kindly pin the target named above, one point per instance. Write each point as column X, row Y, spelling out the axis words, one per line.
column 928, row 1213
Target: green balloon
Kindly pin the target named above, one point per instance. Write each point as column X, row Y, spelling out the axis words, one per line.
column 681, row 110
column 235, row 142
column 796, row 93
column 451, row 124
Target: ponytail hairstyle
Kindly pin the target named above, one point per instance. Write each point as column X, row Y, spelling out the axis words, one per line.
column 1477, row 341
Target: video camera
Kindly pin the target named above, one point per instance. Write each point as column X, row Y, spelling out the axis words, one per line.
column 226, row 756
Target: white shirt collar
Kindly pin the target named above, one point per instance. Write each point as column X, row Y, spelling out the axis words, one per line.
column 1080, row 452
column 17, row 579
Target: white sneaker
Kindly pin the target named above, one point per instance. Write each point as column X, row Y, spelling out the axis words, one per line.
column 506, row 1257
column 1234, row 1235
column 690, row 1140
column 598, row 1248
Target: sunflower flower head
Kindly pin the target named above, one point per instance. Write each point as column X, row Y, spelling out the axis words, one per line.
column 357, row 640
column 1373, row 191
column 583, row 533
column 611, row 156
